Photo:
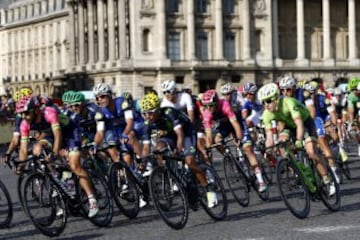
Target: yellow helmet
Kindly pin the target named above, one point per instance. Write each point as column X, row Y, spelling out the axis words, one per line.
column 18, row 95
column 149, row 102
column 26, row 91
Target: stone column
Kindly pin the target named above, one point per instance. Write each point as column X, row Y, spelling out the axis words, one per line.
column 219, row 39
column 71, row 33
column 190, row 20
column 90, row 12
column 246, row 32
column 122, row 29
column 56, row 43
column 300, row 30
column 111, row 30
column 81, row 34
column 326, row 33
column 162, row 29
column 100, row 30
column 275, row 29
column 353, row 55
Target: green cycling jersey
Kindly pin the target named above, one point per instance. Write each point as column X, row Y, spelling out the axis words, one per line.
column 288, row 109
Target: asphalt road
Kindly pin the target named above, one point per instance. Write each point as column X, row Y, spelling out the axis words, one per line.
column 260, row 220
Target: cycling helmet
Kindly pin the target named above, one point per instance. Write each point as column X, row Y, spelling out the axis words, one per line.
column 26, row 91
column 287, row 82
column 250, row 88
column 209, row 97
column 168, row 85
column 353, row 83
column 17, row 95
column 149, row 102
column 268, row 91
column 66, row 96
column 337, row 92
column 76, row 97
column 311, row 86
column 226, row 88
column 26, row 103
column 102, row 89
column 128, row 96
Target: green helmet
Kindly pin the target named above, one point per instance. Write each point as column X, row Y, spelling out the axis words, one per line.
column 66, row 96
column 76, row 97
column 353, row 83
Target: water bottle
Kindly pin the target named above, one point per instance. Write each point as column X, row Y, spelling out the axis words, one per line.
column 274, row 130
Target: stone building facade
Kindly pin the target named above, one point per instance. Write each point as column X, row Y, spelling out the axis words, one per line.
column 54, row 45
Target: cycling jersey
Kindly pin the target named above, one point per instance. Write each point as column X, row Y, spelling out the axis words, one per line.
column 288, row 109
column 253, row 110
column 163, row 129
column 183, row 102
column 353, row 102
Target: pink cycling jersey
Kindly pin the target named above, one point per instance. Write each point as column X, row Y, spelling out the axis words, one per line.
column 223, row 110
column 49, row 114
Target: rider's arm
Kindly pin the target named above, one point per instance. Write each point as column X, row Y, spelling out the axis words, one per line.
column 309, row 103
column 208, row 138
column 129, row 118
column 24, row 139
column 51, row 116
column 299, row 128
column 236, row 125
column 100, row 128
column 179, row 137
column 332, row 113
column 269, row 138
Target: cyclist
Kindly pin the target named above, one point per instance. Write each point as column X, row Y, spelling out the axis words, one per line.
column 179, row 100
column 353, row 105
column 297, row 119
column 120, row 123
column 52, row 136
column 169, row 127
column 251, row 109
column 220, row 121
column 321, row 112
column 288, row 88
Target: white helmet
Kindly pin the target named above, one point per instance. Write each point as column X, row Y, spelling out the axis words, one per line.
column 311, row 86
column 102, row 89
column 226, row 88
column 268, row 91
column 337, row 91
column 168, row 85
column 287, row 82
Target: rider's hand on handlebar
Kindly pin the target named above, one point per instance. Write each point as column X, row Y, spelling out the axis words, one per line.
column 5, row 158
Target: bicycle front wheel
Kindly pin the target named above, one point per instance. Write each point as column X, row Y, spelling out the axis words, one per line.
column 124, row 190
column 44, row 204
column 292, row 188
column 169, row 198
column 103, row 197
column 217, row 210
column 236, row 180
column 6, row 207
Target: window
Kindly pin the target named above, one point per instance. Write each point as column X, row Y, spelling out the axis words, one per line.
column 202, row 45
column 201, row 6
column 229, row 46
column 146, row 39
column 174, row 46
column 172, row 6
column 228, row 6
column 258, row 34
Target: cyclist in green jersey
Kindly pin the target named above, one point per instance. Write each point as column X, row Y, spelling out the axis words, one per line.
column 353, row 104
column 296, row 118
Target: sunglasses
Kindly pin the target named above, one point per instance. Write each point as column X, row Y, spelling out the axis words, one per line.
column 101, row 97
column 268, row 101
column 226, row 94
column 27, row 112
column 286, row 89
column 168, row 92
column 75, row 105
column 149, row 113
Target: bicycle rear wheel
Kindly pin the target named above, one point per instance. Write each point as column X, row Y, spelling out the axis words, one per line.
column 236, row 180
column 103, row 197
column 219, row 210
column 6, row 207
column 292, row 188
column 169, row 198
column 124, row 190
column 44, row 204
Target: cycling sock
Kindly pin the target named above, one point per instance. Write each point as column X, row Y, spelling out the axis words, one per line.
column 258, row 175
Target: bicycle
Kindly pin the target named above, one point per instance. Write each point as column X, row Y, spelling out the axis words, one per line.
column 6, row 206
column 125, row 183
column 173, row 190
column 299, row 181
column 47, row 201
column 239, row 175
